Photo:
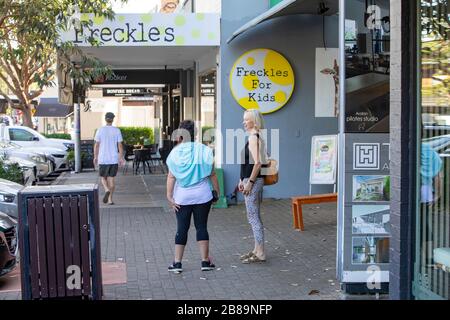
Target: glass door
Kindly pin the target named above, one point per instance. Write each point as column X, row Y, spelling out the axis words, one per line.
column 208, row 109
column 432, row 259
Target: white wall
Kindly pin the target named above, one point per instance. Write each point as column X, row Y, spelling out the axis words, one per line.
column 137, row 116
column 208, row 6
column 95, row 118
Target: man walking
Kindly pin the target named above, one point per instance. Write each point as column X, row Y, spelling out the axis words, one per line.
column 108, row 154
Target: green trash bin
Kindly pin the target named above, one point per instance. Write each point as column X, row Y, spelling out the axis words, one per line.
column 222, row 202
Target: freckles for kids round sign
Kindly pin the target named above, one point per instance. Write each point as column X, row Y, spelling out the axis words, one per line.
column 262, row 79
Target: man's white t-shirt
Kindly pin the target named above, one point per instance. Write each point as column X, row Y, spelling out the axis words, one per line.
column 109, row 137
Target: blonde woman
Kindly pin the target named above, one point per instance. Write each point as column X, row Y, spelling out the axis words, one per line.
column 251, row 182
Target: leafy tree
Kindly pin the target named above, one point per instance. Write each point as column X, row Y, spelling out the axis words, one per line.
column 435, row 20
column 30, row 45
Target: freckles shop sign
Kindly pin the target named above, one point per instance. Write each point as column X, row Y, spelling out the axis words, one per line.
column 154, row 29
column 262, row 79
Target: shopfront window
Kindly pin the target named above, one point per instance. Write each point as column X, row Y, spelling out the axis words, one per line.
column 208, row 106
column 367, row 196
column 432, row 262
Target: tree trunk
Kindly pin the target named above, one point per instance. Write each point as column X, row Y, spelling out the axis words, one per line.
column 26, row 115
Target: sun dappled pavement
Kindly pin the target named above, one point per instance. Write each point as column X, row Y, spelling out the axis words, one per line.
column 139, row 231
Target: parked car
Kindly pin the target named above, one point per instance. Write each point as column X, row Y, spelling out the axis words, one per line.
column 8, row 197
column 44, row 164
column 29, row 169
column 8, row 243
column 27, row 137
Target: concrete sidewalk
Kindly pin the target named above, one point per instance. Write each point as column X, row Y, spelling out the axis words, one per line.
column 132, row 191
column 140, row 230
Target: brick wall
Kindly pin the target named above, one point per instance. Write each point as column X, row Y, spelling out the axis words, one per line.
column 403, row 125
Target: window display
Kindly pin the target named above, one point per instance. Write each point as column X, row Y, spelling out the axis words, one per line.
column 432, row 276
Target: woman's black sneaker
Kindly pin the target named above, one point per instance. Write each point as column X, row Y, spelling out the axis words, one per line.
column 208, row 265
column 175, row 267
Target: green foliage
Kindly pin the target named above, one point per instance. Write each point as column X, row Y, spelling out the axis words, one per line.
column 208, row 136
column 435, row 18
column 71, row 155
column 435, row 33
column 137, row 135
column 12, row 172
column 71, row 158
column 58, row 136
column 387, row 188
column 30, row 43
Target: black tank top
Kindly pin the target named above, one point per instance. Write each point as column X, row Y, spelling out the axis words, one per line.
column 246, row 164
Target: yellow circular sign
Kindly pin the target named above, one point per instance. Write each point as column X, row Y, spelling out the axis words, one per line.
column 262, row 79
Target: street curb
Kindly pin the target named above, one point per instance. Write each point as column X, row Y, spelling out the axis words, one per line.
column 62, row 175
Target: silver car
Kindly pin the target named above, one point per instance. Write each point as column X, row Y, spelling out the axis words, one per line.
column 8, row 197
column 44, row 165
column 8, row 244
column 57, row 157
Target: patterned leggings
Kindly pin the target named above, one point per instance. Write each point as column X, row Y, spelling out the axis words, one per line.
column 252, row 203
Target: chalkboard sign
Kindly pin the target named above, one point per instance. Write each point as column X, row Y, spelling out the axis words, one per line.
column 87, row 154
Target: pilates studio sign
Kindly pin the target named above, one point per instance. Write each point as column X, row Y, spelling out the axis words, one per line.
column 262, row 79
column 155, row 29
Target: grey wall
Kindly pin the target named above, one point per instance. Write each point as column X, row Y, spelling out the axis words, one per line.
column 295, row 37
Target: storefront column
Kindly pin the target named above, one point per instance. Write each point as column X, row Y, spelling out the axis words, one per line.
column 402, row 142
column 196, row 100
column 341, row 144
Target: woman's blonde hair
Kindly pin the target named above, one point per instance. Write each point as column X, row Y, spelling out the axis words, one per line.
column 256, row 117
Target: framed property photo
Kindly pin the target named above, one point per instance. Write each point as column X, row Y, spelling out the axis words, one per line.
column 323, row 159
column 370, row 250
column 371, row 188
column 371, row 219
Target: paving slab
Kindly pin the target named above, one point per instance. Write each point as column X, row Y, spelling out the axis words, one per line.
column 139, row 232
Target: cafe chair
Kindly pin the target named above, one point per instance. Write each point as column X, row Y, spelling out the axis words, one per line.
column 142, row 157
column 156, row 158
column 129, row 157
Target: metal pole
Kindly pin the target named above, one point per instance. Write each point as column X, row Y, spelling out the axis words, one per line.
column 77, row 137
column 341, row 144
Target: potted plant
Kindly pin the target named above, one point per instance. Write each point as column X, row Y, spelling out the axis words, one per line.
column 71, row 159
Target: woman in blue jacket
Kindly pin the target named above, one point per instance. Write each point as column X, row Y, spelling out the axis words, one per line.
column 191, row 173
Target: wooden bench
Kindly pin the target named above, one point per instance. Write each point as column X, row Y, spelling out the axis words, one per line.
column 297, row 202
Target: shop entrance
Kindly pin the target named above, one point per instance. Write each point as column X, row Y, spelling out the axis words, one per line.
column 158, row 99
column 352, row 86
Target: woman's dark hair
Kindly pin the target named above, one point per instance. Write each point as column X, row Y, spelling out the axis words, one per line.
column 189, row 126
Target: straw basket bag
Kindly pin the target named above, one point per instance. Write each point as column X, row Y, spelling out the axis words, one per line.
column 270, row 172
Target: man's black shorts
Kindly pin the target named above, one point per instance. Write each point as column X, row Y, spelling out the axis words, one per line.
column 108, row 170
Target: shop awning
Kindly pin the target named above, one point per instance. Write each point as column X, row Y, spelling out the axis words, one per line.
column 289, row 7
column 14, row 99
column 51, row 108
